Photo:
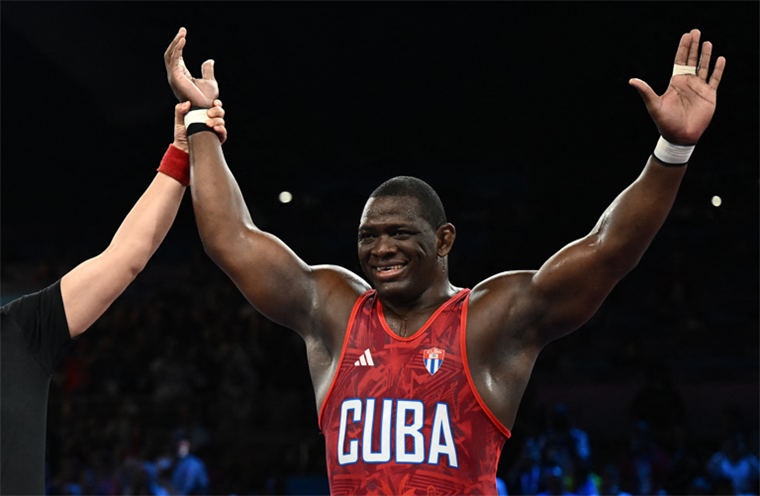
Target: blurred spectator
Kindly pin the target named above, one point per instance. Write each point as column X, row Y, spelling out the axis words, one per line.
column 735, row 463
column 501, row 487
column 525, row 475
column 567, row 447
column 700, row 486
column 645, row 465
column 609, row 484
column 189, row 475
column 554, row 482
column 148, row 478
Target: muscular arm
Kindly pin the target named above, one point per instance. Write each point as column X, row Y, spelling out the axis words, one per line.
column 90, row 288
column 268, row 273
column 514, row 315
column 569, row 288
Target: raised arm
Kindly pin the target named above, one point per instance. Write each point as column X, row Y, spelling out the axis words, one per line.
column 90, row 288
column 569, row 288
column 270, row 275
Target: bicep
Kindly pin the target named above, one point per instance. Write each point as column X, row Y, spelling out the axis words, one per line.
column 91, row 287
column 280, row 284
column 570, row 287
column 538, row 306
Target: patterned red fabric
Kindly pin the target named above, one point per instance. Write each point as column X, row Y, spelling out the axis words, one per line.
column 402, row 416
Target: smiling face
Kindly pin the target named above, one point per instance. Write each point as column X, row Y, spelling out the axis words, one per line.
column 398, row 249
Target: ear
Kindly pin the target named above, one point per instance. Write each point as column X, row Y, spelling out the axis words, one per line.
column 446, row 235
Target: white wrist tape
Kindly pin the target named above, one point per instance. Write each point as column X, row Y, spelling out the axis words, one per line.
column 196, row 117
column 689, row 70
column 669, row 154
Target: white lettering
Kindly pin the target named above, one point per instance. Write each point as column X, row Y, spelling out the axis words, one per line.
column 403, row 429
column 384, row 455
column 441, row 425
column 353, row 446
column 410, row 420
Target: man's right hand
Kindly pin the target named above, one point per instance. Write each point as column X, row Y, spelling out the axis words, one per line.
column 200, row 92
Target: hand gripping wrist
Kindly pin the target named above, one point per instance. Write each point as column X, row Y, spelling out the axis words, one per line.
column 176, row 164
column 195, row 120
column 671, row 155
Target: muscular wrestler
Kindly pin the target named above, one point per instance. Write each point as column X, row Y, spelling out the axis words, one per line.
column 417, row 381
column 38, row 329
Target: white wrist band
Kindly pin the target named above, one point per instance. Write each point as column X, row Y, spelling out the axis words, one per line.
column 196, row 117
column 672, row 155
column 689, row 70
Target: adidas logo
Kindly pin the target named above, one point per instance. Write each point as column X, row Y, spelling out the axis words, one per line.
column 365, row 359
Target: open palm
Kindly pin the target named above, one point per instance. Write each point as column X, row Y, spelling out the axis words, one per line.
column 684, row 111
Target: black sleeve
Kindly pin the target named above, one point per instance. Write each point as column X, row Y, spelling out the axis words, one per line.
column 42, row 319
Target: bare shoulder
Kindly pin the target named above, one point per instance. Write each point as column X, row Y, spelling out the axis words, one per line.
column 338, row 281
column 339, row 288
column 495, row 293
column 499, row 307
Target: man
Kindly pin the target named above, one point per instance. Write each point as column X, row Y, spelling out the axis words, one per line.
column 38, row 329
column 417, row 381
column 189, row 475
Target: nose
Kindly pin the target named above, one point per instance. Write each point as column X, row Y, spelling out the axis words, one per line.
column 384, row 246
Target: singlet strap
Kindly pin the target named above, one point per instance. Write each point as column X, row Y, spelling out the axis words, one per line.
column 465, row 363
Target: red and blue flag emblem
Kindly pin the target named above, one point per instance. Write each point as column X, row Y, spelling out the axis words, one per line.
column 433, row 358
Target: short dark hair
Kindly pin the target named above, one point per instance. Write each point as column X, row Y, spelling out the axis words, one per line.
column 430, row 203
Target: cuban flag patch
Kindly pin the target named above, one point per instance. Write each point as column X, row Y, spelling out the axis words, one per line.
column 433, row 358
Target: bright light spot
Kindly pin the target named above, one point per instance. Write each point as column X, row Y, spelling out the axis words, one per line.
column 716, row 201
column 285, row 197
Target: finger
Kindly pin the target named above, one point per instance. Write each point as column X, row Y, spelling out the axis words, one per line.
column 682, row 54
column 207, row 69
column 217, row 103
column 177, row 52
column 178, row 60
column 179, row 112
column 180, row 34
column 215, row 122
column 646, row 92
column 222, row 132
column 717, row 74
column 704, row 60
column 694, row 48
column 214, row 112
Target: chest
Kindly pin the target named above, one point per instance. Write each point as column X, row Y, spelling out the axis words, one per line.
column 381, row 370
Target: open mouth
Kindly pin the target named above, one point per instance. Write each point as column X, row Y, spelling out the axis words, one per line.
column 389, row 271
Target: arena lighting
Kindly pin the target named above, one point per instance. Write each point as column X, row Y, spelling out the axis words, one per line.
column 716, row 201
column 285, row 197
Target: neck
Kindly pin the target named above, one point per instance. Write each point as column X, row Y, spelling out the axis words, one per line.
column 404, row 309
column 407, row 317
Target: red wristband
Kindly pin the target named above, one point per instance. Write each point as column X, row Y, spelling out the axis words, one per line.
column 176, row 164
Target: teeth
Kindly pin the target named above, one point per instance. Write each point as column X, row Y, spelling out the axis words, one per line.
column 386, row 269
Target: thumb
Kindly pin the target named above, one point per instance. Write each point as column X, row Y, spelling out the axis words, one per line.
column 179, row 113
column 207, row 69
column 647, row 93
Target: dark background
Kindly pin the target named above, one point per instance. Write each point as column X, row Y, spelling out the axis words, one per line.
column 519, row 114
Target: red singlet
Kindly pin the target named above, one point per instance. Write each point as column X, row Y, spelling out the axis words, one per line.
column 402, row 415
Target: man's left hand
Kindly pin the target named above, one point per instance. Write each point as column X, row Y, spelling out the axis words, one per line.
column 684, row 111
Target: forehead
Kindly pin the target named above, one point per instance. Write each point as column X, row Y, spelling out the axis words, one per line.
column 385, row 209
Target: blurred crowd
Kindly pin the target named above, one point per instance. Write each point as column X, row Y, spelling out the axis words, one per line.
column 183, row 388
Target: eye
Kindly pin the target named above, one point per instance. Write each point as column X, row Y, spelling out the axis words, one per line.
column 365, row 237
column 401, row 233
